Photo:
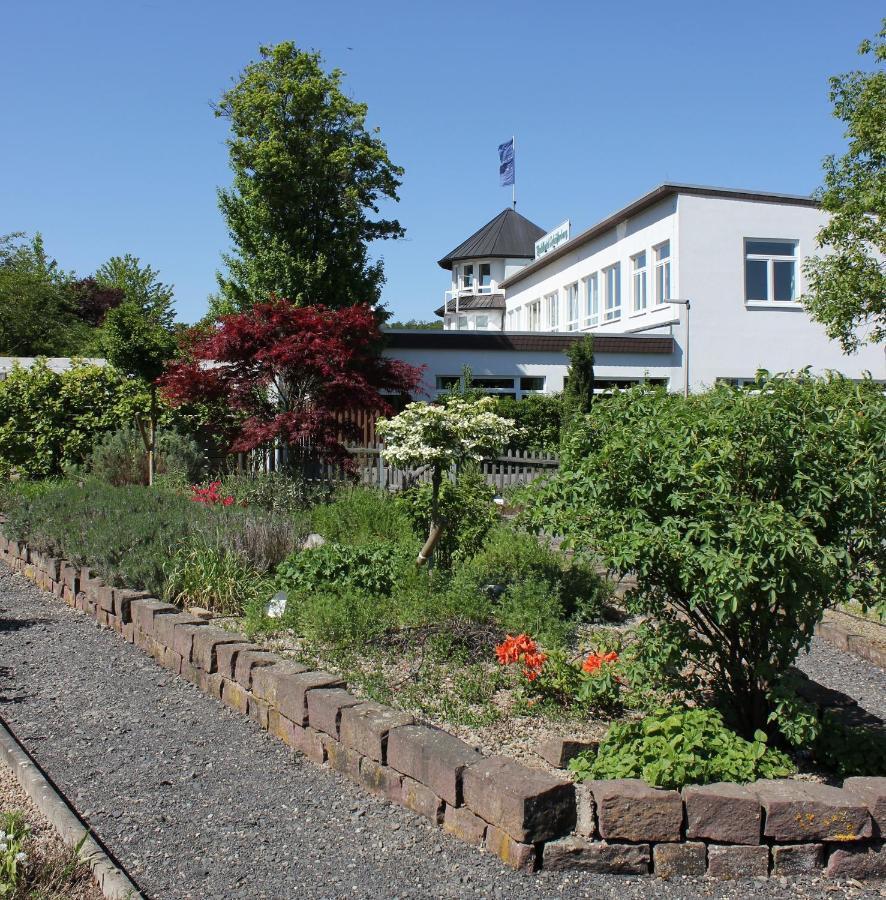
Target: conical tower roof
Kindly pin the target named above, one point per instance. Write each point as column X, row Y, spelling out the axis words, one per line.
column 508, row 235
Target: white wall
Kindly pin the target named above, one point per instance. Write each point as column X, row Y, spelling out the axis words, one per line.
column 730, row 338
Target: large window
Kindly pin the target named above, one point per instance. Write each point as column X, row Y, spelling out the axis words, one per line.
column 462, row 323
column 552, row 311
column 572, row 307
column 533, row 316
column 662, row 272
column 770, row 271
column 612, row 284
column 638, row 270
column 481, row 321
column 485, row 276
column 467, row 277
column 592, row 300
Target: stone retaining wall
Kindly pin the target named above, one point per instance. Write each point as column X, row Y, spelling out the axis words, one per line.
column 529, row 818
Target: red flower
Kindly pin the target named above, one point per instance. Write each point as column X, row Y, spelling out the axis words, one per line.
column 522, row 649
column 594, row 661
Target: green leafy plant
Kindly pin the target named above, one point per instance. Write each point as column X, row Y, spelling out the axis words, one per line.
column 119, row 458
column 538, row 418
column 362, row 515
column 675, row 747
column 742, row 513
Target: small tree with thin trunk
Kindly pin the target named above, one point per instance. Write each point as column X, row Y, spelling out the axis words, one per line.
column 442, row 437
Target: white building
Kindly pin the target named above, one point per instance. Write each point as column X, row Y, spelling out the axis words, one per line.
column 735, row 256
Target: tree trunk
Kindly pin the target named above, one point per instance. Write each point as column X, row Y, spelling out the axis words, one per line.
column 436, row 525
column 152, row 436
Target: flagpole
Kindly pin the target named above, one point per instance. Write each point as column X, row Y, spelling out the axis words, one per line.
column 514, row 183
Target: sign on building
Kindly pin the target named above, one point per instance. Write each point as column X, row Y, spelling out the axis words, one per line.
column 552, row 239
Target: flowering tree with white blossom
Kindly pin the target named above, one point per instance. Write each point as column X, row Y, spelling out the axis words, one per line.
column 442, row 436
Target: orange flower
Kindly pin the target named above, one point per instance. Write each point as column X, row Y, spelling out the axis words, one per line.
column 594, row 661
column 521, row 649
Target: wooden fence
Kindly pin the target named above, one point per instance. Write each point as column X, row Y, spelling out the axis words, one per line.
column 511, row 468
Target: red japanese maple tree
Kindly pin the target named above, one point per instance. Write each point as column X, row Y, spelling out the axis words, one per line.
column 287, row 373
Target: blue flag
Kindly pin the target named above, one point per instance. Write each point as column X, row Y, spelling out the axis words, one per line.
column 506, row 162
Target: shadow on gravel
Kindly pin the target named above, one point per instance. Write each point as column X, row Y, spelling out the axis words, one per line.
column 828, row 698
column 10, row 625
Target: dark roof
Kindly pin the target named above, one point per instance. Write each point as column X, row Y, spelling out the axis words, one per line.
column 508, row 235
column 644, row 202
column 525, row 341
column 475, row 301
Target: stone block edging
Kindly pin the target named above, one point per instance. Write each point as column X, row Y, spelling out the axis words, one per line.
column 527, row 817
column 844, row 638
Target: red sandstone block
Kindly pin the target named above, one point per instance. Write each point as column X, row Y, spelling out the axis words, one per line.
column 210, row 683
column 71, row 578
column 123, row 598
column 105, row 596
column 432, row 756
column 725, row 813
column 292, row 691
column 528, row 804
column 365, row 728
column 235, row 696
column 672, row 860
column 258, row 711
column 871, row 792
column 183, row 639
column 205, row 642
column 381, row 780
column 325, row 706
column 226, row 656
column 574, row 852
column 519, row 856
column 797, row 859
column 145, row 611
column 557, row 751
column 586, row 812
column 168, row 658
column 266, row 679
column 857, row 862
column 422, row 800
column 102, row 617
column 343, row 759
column 738, row 861
column 630, row 810
column 128, row 632
column 463, row 824
column 164, row 627
column 247, row 661
column 191, row 673
column 803, row 812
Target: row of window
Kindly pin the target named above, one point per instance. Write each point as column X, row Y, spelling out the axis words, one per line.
column 506, row 386
column 597, row 297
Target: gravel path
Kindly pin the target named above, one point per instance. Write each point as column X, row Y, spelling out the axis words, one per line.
column 197, row 802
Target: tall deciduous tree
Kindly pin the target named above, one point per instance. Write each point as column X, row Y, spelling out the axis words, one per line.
column 287, row 374
column 308, row 175
column 847, row 288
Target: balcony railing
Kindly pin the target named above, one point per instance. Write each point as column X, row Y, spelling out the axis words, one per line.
column 451, row 298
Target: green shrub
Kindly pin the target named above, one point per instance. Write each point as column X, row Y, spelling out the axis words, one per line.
column 119, row 458
column 672, row 748
column 539, row 418
column 275, row 491
column 467, row 510
column 362, row 515
column 743, row 513
column 202, row 575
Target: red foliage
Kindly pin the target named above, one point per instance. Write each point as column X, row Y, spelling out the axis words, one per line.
column 288, row 372
column 93, row 301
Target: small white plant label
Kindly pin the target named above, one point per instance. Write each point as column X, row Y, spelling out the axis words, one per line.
column 277, row 605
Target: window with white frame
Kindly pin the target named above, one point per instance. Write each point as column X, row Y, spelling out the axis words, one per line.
column 592, row 300
column 485, row 277
column 612, row 287
column 552, row 311
column 572, row 307
column 462, row 323
column 662, row 272
column 533, row 315
column 467, row 277
column 638, row 278
column 482, row 321
column 770, row 271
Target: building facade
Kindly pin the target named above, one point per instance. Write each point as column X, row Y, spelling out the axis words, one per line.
column 717, row 271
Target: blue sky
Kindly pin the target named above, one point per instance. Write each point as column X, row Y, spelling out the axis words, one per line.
column 108, row 144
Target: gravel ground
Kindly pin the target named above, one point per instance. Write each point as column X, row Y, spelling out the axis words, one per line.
column 196, row 801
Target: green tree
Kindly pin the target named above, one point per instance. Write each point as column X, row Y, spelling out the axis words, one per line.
column 847, row 288
column 37, row 310
column 579, row 392
column 138, row 337
column 307, row 174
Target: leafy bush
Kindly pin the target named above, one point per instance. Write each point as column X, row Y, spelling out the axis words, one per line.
column 743, row 513
column 49, row 419
column 675, row 747
column 119, row 458
column 466, row 508
column 277, row 491
column 263, row 541
column 538, row 418
column 202, row 575
column 362, row 515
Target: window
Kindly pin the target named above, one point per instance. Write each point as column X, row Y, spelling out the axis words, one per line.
column 462, row 323
column 572, row 307
column 638, row 266
column 467, row 277
column 612, row 284
column 663, row 272
column 445, row 382
column 608, row 385
column 552, row 310
column 533, row 316
column 532, row 383
column 485, row 276
column 482, row 322
column 592, row 300
column 770, row 271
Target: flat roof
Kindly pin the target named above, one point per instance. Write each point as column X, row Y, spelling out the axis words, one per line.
column 524, row 341
column 655, row 196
